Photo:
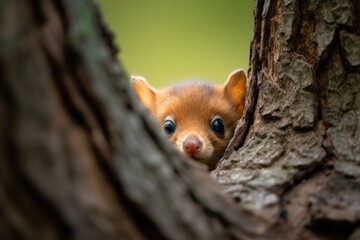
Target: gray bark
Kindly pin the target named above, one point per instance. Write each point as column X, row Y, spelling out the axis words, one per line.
column 80, row 159
column 295, row 159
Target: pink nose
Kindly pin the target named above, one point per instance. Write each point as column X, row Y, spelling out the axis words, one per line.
column 192, row 145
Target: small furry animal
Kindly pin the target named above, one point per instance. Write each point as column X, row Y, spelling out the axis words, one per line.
column 198, row 117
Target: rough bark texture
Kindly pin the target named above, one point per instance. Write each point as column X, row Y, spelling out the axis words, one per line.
column 295, row 159
column 80, row 158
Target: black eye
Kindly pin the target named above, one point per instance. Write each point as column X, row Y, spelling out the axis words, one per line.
column 169, row 127
column 217, row 126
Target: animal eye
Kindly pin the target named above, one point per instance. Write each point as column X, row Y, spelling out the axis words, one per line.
column 169, row 127
column 217, row 126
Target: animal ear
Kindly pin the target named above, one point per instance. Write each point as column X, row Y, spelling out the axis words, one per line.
column 235, row 88
column 144, row 91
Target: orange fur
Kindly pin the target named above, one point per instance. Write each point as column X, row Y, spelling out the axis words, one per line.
column 193, row 106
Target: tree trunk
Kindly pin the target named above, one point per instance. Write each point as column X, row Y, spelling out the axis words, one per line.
column 295, row 158
column 80, row 158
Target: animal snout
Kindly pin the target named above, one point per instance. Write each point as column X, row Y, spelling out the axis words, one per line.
column 192, row 145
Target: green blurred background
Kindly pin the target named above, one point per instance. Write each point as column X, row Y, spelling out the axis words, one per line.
column 168, row 41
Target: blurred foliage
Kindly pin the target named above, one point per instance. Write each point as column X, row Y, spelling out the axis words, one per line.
column 168, row 41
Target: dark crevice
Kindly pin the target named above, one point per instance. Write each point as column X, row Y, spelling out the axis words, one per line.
column 40, row 16
column 62, row 13
column 321, row 80
column 249, row 117
column 84, row 89
column 263, row 31
column 283, row 214
column 322, row 83
column 76, row 115
column 37, row 11
column 356, row 14
column 6, row 91
column 331, row 230
column 305, row 45
column 321, row 86
column 251, row 100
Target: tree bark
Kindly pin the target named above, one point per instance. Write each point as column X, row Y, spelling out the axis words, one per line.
column 81, row 159
column 295, row 157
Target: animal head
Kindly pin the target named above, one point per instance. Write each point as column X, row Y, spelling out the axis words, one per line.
column 198, row 117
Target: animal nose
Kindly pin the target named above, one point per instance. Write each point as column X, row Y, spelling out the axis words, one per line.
column 192, row 145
